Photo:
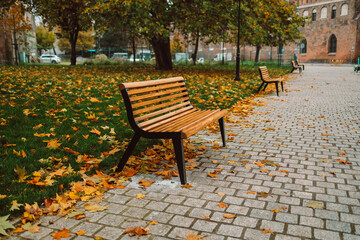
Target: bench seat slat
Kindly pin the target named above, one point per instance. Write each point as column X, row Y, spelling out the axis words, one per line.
column 174, row 126
column 165, row 116
column 174, row 117
column 131, row 85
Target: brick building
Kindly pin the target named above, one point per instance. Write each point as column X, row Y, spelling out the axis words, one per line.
column 334, row 31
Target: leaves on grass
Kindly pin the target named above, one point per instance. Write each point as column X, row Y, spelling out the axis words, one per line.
column 15, row 205
column 52, row 144
column 21, row 172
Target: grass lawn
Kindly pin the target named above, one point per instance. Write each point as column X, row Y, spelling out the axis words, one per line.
column 59, row 122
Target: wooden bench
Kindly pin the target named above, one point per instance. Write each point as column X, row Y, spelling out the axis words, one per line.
column 266, row 79
column 300, row 65
column 294, row 67
column 162, row 109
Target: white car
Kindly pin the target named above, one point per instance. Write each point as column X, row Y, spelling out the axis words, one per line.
column 45, row 58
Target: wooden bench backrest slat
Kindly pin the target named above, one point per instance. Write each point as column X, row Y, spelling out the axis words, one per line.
column 131, row 85
column 157, row 88
column 159, row 106
column 264, row 74
column 157, row 94
column 160, row 99
column 160, row 112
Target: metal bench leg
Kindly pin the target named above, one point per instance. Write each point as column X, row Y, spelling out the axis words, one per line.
column 277, row 88
column 265, row 86
column 180, row 160
column 222, row 130
column 282, row 86
column 292, row 70
column 128, row 152
column 260, row 87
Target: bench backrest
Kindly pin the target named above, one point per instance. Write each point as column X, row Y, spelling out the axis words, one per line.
column 152, row 101
column 264, row 74
column 293, row 63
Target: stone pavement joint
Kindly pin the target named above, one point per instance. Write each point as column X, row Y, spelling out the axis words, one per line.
column 303, row 133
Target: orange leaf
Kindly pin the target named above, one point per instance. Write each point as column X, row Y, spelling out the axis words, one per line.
column 192, row 236
column 97, row 132
column 53, row 144
column 136, row 231
column 153, row 223
column 259, row 164
column 80, row 232
column 146, row 183
column 251, row 192
column 85, row 136
column 63, row 233
column 229, row 216
column 223, row 205
column 275, row 210
column 213, row 175
column 265, row 230
column 188, row 186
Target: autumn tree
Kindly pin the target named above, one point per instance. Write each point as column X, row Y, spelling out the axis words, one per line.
column 270, row 23
column 85, row 41
column 176, row 45
column 45, row 38
column 70, row 15
column 13, row 21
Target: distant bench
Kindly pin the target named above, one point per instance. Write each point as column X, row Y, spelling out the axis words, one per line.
column 162, row 109
column 294, row 67
column 266, row 79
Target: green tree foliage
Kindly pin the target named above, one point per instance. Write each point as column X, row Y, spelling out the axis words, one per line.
column 70, row 15
column 45, row 38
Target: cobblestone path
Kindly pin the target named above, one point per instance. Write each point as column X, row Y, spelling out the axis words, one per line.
column 292, row 168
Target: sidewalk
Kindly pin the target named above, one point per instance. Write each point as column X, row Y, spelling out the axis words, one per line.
column 292, row 169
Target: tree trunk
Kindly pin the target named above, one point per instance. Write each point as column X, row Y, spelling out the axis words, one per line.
column 73, row 38
column 196, row 48
column 161, row 46
column 257, row 55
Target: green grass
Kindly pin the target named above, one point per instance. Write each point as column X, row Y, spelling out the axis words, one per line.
column 59, row 98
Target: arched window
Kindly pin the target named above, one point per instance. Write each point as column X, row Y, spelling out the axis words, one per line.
column 333, row 12
column 344, row 9
column 305, row 13
column 314, row 15
column 323, row 12
column 332, row 44
column 303, row 46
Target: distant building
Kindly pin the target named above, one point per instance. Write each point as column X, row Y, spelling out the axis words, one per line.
column 334, row 31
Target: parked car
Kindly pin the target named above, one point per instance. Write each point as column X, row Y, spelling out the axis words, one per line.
column 46, row 58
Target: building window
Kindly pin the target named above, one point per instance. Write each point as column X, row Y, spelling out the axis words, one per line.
column 323, row 12
column 344, row 9
column 303, row 46
column 314, row 15
column 332, row 44
column 333, row 12
column 305, row 13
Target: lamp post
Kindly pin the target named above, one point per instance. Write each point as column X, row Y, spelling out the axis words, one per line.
column 237, row 77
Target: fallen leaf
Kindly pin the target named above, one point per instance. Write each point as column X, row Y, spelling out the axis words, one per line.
column 140, row 196
column 314, row 205
column 15, row 205
column 192, row 236
column 31, row 228
column 53, row 144
column 153, row 223
column 342, row 152
column 342, row 161
column 63, row 233
column 223, row 205
column 21, row 172
column 221, row 193
column 251, row 192
column 275, row 210
column 229, row 216
column 215, row 161
column 5, row 224
column 263, row 194
column 188, row 186
column 266, row 230
column 94, row 207
column 283, row 208
column 136, row 231
column 80, row 232
column 146, row 183
column 97, row 132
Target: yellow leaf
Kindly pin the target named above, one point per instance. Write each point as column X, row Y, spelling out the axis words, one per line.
column 15, row 205
column 31, row 228
column 140, row 196
column 97, row 132
column 153, row 223
column 2, row 196
column 73, row 196
column 21, row 172
column 251, row 192
column 92, row 99
column 53, row 144
column 192, row 236
column 275, row 210
column 94, row 207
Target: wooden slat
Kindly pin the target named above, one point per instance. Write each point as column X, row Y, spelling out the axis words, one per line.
column 157, row 100
column 166, row 116
column 157, row 113
column 206, row 121
column 179, row 123
column 156, row 88
column 157, row 94
column 158, row 106
column 149, row 83
column 167, row 120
